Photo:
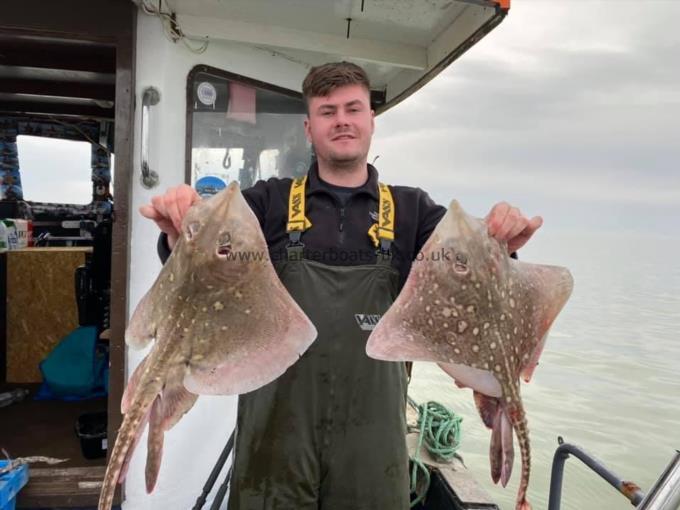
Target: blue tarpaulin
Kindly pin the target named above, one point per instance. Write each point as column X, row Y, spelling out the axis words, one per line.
column 75, row 369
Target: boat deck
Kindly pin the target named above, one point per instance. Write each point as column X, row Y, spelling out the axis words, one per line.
column 46, row 428
column 452, row 486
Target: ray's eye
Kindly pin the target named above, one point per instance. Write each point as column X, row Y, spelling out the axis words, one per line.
column 192, row 229
column 461, row 264
column 224, row 244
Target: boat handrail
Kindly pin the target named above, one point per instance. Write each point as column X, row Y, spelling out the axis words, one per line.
column 627, row 488
column 150, row 98
column 664, row 494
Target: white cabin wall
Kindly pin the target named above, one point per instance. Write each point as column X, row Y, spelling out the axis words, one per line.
column 193, row 445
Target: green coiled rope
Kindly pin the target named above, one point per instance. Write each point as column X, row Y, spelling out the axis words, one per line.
column 440, row 430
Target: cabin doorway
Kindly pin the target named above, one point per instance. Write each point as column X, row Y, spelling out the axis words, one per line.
column 66, row 115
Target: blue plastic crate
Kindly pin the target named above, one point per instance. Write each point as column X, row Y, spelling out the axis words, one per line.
column 10, row 485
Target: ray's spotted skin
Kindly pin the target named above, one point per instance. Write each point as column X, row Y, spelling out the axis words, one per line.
column 222, row 322
column 483, row 317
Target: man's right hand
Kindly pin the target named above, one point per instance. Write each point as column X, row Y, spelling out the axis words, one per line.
column 169, row 209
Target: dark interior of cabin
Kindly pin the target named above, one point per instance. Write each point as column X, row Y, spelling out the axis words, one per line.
column 58, row 83
column 55, row 282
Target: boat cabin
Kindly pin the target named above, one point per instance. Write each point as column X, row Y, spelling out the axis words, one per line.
column 105, row 103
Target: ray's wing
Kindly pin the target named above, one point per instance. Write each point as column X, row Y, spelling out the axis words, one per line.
column 151, row 311
column 250, row 341
column 443, row 334
column 142, row 327
column 545, row 290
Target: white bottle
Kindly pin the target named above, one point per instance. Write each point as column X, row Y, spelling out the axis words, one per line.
column 4, row 240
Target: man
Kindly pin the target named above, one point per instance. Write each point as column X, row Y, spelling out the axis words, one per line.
column 329, row 433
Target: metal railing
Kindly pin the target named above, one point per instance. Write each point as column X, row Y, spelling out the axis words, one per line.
column 664, row 494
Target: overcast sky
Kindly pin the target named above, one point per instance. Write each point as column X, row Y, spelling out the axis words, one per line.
column 569, row 109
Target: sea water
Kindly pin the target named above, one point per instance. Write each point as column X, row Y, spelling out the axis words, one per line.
column 609, row 377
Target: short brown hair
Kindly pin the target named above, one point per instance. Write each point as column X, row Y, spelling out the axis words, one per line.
column 324, row 79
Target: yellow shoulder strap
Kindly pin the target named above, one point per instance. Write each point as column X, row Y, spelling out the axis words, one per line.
column 297, row 221
column 384, row 229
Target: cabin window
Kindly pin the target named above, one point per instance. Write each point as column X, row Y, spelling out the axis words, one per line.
column 243, row 130
column 55, row 170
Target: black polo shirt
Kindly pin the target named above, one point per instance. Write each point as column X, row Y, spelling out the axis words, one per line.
column 341, row 219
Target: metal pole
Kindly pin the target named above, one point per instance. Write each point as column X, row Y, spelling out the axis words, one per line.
column 222, row 459
column 221, row 492
column 556, row 475
column 665, row 494
column 628, row 489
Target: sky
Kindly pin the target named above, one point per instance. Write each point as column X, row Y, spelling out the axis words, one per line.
column 569, row 109
column 54, row 170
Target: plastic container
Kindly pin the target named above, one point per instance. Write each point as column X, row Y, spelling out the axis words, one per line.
column 19, row 233
column 4, row 237
column 10, row 485
column 91, row 430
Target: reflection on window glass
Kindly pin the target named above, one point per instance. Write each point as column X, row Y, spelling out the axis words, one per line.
column 55, row 170
column 244, row 133
column 269, row 163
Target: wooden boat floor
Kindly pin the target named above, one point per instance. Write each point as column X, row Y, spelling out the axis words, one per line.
column 454, row 473
column 46, row 427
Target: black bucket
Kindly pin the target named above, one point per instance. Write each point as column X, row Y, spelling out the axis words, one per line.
column 91, row 430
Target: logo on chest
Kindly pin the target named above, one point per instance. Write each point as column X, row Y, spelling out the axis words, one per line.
column 367, row 321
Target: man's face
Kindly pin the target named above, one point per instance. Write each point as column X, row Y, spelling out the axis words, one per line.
column 340, row 126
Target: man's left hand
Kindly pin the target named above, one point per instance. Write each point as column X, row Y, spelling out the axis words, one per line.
column 507, row 224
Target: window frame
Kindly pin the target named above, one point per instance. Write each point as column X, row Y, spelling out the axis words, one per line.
column 219, row 73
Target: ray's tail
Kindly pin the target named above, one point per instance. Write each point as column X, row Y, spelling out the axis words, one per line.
column 518, row 420
column 145, row 387
column 132, row 427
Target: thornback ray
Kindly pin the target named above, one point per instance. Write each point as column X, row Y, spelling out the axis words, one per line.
column 221, row 323
column 483, row 317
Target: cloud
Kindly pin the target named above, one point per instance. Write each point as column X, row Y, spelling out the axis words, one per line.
column 569, row 108
column 573, row 101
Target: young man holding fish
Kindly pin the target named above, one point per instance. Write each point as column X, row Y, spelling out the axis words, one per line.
column 329, row 433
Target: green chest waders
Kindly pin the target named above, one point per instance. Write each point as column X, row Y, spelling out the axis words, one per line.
column 329, row 434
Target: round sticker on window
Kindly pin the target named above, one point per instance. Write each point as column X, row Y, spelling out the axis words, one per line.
column 209, row 185
column 206, row 93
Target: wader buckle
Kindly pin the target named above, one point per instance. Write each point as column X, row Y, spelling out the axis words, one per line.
column 295, row 247
column 384, row 253
column 294, row 238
